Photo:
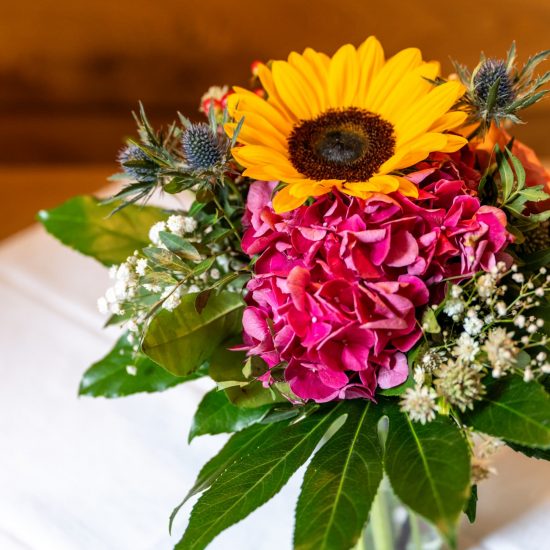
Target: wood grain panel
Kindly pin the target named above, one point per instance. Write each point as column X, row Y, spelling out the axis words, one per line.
column 70, row 71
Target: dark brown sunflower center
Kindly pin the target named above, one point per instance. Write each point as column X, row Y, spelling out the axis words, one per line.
column 346, row 144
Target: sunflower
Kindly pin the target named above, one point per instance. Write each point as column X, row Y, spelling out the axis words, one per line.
column 348, row 122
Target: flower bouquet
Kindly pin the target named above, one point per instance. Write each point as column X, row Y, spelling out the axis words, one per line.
column 359, row 264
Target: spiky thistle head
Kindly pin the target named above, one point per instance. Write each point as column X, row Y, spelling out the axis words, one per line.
column 203, row 148
column 492, row 77
column 498, row 89
column 137, row 164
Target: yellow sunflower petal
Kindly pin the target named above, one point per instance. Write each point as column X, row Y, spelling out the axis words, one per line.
column 449, row 121
column 420, row 116
column 407, row 188
column 266, row 78
column 454, row 143
column 343, row 77
column 417, row 150
column 283, row 201
column 312, row 188
column 245, row 100
column 249, row 135
column 390, row 75
column 311, row 75
column 294, row 90
column 413, row 87
column 371, row 60
column 257, row 155
column 320, row 64
column 376, row 184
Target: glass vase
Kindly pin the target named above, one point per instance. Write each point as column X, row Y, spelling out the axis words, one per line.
column 393, row 526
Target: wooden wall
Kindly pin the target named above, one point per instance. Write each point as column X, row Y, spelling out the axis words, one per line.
column 72, row 70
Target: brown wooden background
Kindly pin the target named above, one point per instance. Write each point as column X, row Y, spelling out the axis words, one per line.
column 72, row 70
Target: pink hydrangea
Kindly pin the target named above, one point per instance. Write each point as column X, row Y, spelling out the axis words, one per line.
column 340, row 284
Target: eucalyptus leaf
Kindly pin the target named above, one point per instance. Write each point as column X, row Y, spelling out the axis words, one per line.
column 514, row 410
column 183, row 339
column 84, row 224
column 125, row 372
column 341, row 482
column 166, row 259
column 216, row 414
column 255, row 477
column 179, row 246
column 428, row 466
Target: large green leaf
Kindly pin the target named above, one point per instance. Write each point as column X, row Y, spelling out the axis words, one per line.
column 428, row 467
column 85, row 225
column 184, row 339
column 123, row 372
column 216, row 414
column 514, row 410
column 255, row 477
column 340, row 483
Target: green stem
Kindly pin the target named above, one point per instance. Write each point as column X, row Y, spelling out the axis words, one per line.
column 227, row 218
column 380, row 520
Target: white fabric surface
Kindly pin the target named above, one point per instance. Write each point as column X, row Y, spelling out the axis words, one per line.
column 97, row 474
column 84, row 473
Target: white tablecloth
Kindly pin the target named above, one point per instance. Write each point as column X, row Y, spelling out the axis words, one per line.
column 97, row 474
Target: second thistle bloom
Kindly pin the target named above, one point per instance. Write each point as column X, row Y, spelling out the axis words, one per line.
column 203, row 148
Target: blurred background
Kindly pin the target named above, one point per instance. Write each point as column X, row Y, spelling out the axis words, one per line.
column 71, row 72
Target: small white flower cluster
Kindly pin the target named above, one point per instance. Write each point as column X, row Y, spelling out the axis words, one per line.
column 139, row 277
column 420, row 402
column 452, row 372
column 126, row 277
column 176, row 224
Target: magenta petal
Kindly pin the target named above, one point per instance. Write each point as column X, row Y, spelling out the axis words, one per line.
column 254, row 323
column 297, row 281
column 393, row 371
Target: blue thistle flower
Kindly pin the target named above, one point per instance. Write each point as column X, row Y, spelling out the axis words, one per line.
column 485, row 78
column 137, row 165
column 202, row 147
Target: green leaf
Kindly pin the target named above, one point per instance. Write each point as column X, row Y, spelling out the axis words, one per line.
column 86, row 225
column 471, row 505
column 506, row 174
column 184, row 339
column 255, row 477
column 253, row 394
column 340, row 483
column 180, row 246
column 538, row 259
column 124, row 372
column 514, row 410
column 166, row 259
column 216, row 415
column 227, row 365
column 534, row 194
column 429, row 322
column 428, row 467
